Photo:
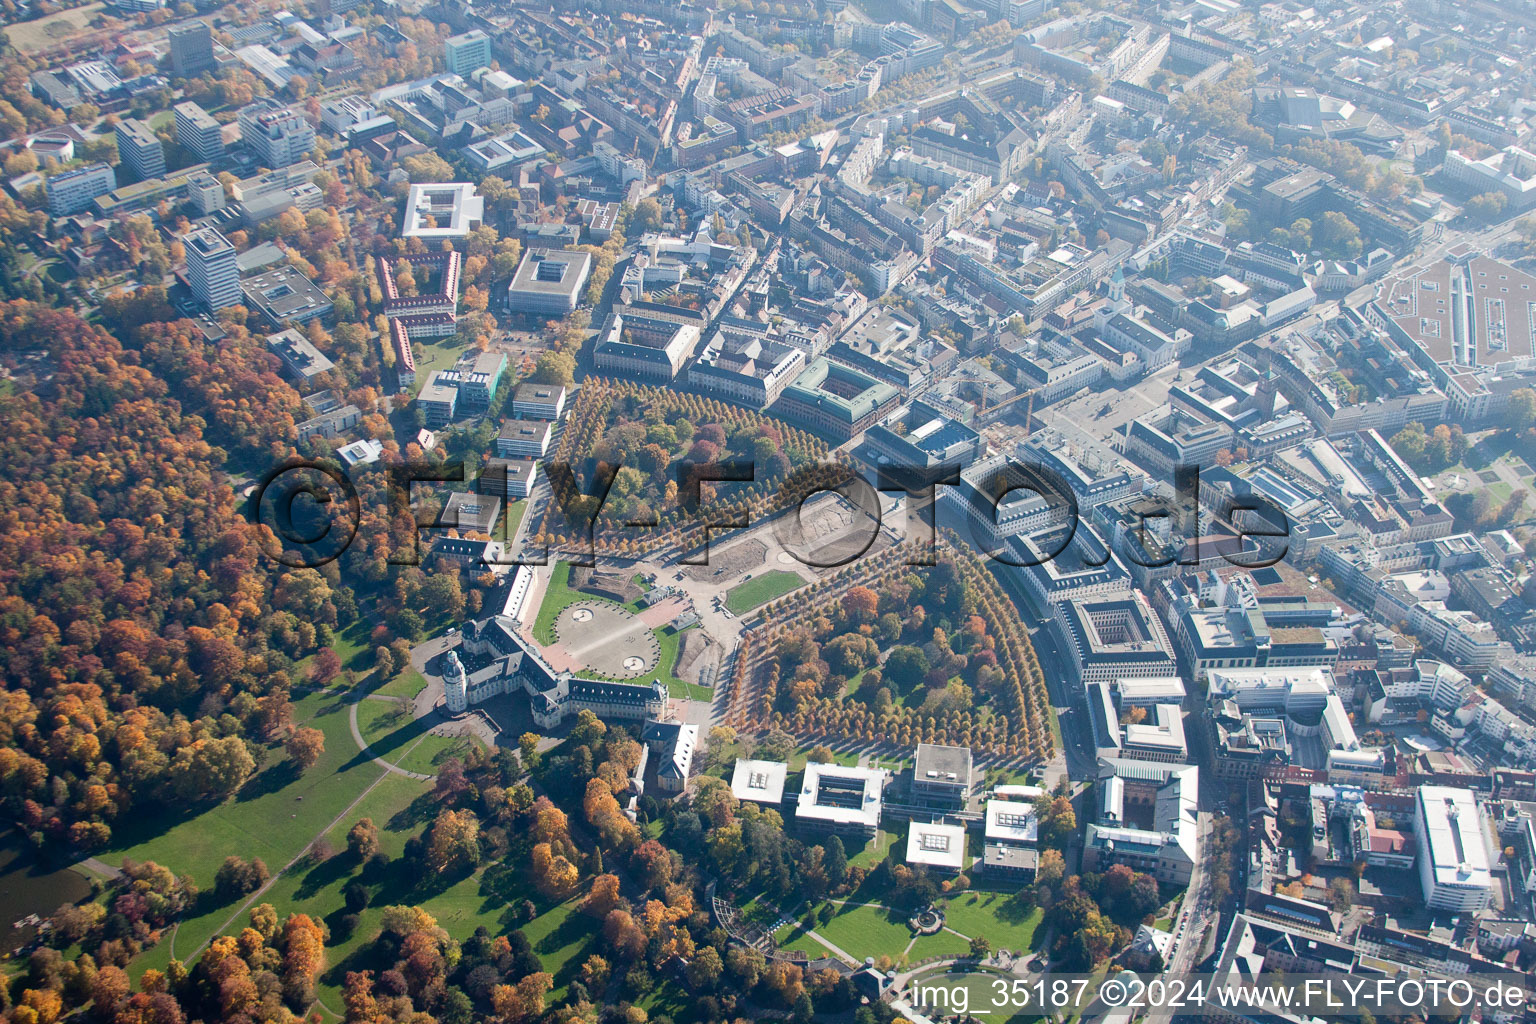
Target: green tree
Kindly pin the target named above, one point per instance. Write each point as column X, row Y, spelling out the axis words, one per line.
column 1487, row 207
column 1520, row 414
column 554, row 368
column 648, row 214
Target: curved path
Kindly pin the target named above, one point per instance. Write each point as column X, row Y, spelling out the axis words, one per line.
column 362, row 745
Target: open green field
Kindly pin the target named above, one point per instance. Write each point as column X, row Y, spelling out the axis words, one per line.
column 868, row 931
column 515, row 512
column 940, row 944
column 395, row 735
column 1004, row 922
column 761, row 589
column 405, row 685
column 556, row 597
column 874, row 850
column 276, row 817
column 435, row 354
column 863, row 930
column 859, row 931
column 54, row 30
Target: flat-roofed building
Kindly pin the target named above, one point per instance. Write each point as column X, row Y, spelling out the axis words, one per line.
column 549, row 282
column 524, row 439
column 759, row 781
column 1012, row 823
column 70, row 192
column 467, row 52
column 539, row 401
column 442, row 210
column 470, row 512
column 939, row 848
column 941, row 775
column 1116, row 638
column 513, row 477
column 1144, row 692
column 439, row 399
column 1159, row 736
column 191, row 47
column 1454, row 863
column 278, row 135
column 479, row 381
column 283, row 295
column 213, row 269
column 198, row 133
column 301, row 359
column 836, row 798
column 139, row 149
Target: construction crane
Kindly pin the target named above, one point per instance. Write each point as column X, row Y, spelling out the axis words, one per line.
column 983, row 410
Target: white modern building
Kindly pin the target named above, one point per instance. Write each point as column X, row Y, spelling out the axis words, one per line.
column 1453, row 850
column 212, row 269
column 761, row 782
column 939, row 848
column 278, row 135
column 198, row 133
column 72, row 191
column 442, row 210
column 835, row 798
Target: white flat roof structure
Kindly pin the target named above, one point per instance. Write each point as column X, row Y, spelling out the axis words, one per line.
column 1028, row 794
column 835, row 796
column 1162, row 733
column 442, row 210
column 759, row 781
column 1012, row 821
column 1153, row 690
column 1457, row 845
column 936, row 846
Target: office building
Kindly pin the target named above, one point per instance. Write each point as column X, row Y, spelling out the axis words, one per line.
column 442, row 210
column 761, row 782
column 526, row 439
column 278, row 135
column 937, row 847
column 301, row 360
column 139, row 150
column 538, row 401
column 213, row 270
column 283, row 295
column 191, row 49
column 835, row 798
column 206, row 193
column 1454, row 865
column 941, row 775
column 467, row 52
column 72, row 191
column 549, row 282
column 198, row 133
